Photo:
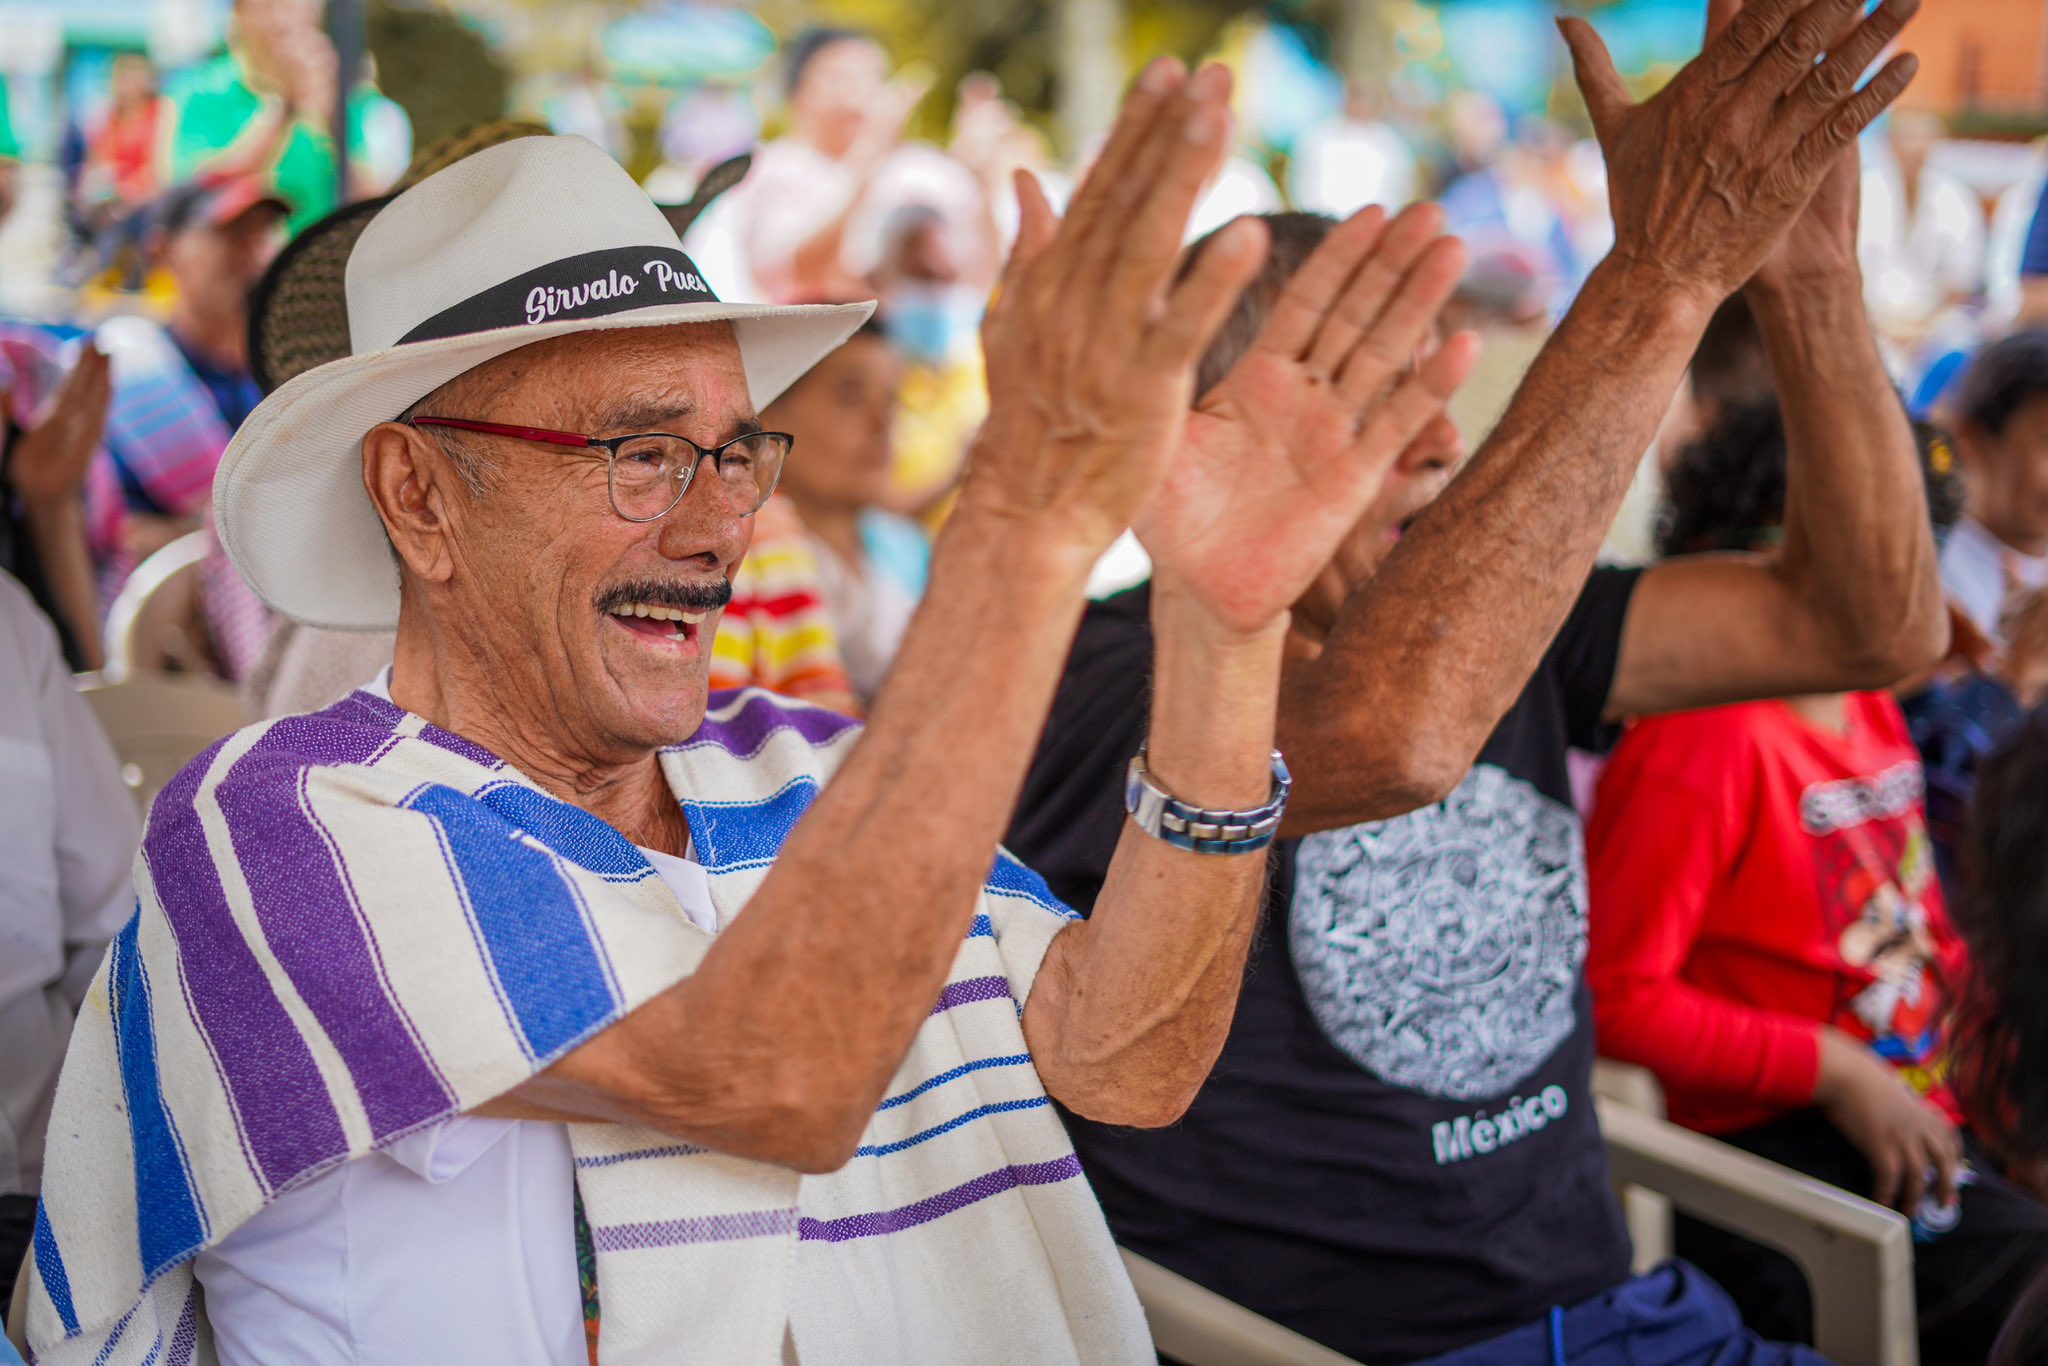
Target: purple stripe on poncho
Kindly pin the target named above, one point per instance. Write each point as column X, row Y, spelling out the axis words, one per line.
column 287, row 1119
column 938, row 1206
column 307, row 907
column 391, row 714
column 746, row 730
column 705, row 1228
column 972, row 990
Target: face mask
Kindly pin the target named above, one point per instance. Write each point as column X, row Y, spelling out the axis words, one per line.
column 930, row 322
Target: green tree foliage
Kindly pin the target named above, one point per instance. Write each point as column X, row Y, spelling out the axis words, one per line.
column 1015, row 40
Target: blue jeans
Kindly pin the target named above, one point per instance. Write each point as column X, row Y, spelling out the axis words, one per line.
column 1674, row 1316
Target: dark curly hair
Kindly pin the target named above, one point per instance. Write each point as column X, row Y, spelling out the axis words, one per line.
column 1726, row 491
column 2005, row 377
column 1998, row 1038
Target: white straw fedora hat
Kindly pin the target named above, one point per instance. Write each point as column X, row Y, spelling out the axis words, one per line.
column 528, row 240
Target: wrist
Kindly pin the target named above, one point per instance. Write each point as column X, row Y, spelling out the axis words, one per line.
column 41, row 495
column 1181, row 614
column 1008, row 543
column 1650, row 293
column 1832, row 288
column 1215, row 694
column 1036, row 522
column 1844, row 1061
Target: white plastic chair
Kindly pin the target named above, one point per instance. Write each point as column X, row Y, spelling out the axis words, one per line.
column 129, row 613
column 1857, row 1256
column 157, row 723
column 1198, row 1327
column 1647, row 1214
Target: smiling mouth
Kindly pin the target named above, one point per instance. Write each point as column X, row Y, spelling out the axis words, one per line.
column 652, row 622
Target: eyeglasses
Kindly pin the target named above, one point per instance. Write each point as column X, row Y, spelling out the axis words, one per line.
column 649, row 472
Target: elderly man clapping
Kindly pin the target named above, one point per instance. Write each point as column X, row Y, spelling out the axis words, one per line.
column 531, row 950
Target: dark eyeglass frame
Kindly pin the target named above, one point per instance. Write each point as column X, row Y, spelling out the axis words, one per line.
column 611, row 445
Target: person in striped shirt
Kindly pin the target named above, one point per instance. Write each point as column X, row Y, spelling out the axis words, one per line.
column 776, row 632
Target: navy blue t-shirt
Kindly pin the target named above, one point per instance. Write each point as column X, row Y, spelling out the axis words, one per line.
column 1397, row 1153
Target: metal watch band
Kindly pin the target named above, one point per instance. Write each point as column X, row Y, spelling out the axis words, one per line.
column 1163, row 816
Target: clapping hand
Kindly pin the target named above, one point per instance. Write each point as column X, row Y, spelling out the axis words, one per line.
column 1706, row 175
column 881, row 132
column 982, row 121
column 1281, row 458
column 312, row 75
column 51, row 457
column 1822, row 240
column 1091, row 342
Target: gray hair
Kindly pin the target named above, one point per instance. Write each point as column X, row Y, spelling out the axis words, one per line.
column 464, row 452
column 1295, row 236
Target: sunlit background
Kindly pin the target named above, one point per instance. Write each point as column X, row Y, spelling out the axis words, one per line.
column 672, row 89
column 1434, row 91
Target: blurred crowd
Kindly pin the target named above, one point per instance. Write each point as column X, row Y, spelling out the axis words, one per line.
column 174, row 204
column 205, row 220
column 177, row 195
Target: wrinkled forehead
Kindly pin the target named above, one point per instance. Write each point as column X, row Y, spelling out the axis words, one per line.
column 613, row 379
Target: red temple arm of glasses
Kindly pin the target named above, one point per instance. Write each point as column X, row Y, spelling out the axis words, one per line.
column 541, row 434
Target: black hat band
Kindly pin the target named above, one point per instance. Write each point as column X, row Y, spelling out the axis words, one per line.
column 592, row 285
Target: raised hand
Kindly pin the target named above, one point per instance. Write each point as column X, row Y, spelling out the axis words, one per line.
column 51, row 457
column 1707, row 174
column 1822, row 240
column 982, row 120
column 1091, row 343
column 312, row 75
column 1282, row 457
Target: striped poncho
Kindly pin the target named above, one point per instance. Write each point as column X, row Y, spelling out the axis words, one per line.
column 352, row 925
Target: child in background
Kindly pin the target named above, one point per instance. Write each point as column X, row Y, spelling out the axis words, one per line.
column 1998, row 552
column 1768, row 935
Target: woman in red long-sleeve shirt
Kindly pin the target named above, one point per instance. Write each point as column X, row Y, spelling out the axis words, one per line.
column 1768, row 936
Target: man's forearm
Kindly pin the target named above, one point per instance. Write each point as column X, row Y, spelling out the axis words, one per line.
column 1132, row 1006
column 849, row 939
column 1858, row 551
column 1420, row 666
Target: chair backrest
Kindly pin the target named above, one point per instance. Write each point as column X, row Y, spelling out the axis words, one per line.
column 157, row 723
column 1630, row 1085
column 1195, row 1326
column 1651, row 1231
column 154, row 604
column 1857, row 1256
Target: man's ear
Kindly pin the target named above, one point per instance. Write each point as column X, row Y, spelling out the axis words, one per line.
column 408, row 484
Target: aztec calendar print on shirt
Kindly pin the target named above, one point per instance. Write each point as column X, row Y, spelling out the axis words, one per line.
column 1441, row 950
